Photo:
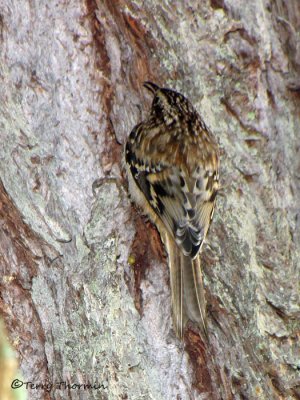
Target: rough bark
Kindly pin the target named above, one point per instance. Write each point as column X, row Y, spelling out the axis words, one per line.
column 84, row 282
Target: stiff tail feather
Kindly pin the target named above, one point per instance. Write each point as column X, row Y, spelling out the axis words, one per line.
column 188, row 296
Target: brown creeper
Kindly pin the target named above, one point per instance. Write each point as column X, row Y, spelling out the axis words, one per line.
column 172, row 163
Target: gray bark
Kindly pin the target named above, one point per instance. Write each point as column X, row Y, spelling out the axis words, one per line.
column 84, row 290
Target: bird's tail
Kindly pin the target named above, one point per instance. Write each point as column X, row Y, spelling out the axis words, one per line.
column 188, row 296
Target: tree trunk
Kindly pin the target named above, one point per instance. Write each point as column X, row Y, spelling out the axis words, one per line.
column 84, row 281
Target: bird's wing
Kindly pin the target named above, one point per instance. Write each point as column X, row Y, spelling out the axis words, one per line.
column 184, row 204
column 178, row 185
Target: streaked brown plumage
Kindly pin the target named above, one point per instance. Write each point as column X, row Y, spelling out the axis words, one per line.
column 172, row 162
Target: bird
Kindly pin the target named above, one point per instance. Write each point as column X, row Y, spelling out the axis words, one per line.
column 172, row 165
